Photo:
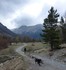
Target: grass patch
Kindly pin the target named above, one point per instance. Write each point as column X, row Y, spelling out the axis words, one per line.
column 10, row 49
column 10, row 58
column 4, row 58
column 31, row 47
column 9, row 52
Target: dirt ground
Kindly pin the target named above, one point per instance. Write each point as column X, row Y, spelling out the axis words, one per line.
column 55, row 60
column 14, row 64
column 48, row 64
column 10, row 60
column 43, row 50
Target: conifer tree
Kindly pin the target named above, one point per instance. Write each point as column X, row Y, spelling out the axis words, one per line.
column 62, row 21
column 63, row 27
column 51, row 32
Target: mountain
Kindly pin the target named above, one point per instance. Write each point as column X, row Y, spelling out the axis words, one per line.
column 5, row 31
column 31, row 31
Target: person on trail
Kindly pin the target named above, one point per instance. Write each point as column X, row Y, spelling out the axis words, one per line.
column 24, row 49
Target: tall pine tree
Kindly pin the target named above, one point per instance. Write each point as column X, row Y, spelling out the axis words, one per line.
column 63, row 27
column 51, row 32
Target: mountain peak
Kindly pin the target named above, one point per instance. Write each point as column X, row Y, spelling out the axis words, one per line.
column 31, row 31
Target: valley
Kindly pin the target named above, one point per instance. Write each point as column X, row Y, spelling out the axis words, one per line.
column 32, row 35
column 17, row 59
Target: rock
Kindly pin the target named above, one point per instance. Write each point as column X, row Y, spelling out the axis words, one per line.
column 65, row 60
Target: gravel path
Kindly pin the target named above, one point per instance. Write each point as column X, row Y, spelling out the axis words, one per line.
column 48, row 63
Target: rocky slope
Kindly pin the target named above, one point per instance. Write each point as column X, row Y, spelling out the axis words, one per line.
column 31, row 31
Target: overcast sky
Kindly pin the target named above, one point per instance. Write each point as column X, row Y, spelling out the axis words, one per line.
column 14, row 13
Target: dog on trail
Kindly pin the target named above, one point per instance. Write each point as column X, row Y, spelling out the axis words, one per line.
column 38, row 61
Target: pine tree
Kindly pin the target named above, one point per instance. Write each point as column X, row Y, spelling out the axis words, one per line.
column 63, row 27
column 51, row 32
column 62, row 21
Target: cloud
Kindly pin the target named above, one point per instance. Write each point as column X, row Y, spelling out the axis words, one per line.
column 8, row 6
column 24, row 20
column 37, row 10
column 14, row 13
column 57, row 4
column 9, row 10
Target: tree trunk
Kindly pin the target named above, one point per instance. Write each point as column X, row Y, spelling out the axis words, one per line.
column 51, row 45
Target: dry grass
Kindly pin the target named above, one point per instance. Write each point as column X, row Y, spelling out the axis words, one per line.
column 37, row 46
column 10, row 49
column 9, row 52
column 9, row 63
column 14, row 64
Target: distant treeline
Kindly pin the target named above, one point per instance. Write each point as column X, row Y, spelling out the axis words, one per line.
column 25, row 39
column 5, row 41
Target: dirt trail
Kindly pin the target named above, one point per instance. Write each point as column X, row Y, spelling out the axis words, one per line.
column 48, row 63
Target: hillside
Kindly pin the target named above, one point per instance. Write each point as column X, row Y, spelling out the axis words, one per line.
column 31, row 31
column 5, row 31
